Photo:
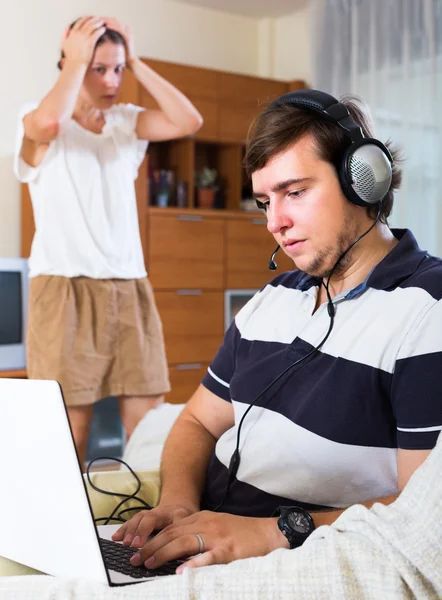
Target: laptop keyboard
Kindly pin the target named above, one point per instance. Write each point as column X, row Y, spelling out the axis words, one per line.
column 116, row 557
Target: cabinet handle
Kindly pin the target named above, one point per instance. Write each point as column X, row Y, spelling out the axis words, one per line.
column 190, row 218
column 189, row 367
column 189, row 292
column 258, row 221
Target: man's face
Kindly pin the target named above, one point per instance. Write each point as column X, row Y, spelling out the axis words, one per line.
column 307, row 213
column 104, row 75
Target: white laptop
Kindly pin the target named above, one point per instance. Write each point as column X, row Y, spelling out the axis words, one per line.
column 47, row 521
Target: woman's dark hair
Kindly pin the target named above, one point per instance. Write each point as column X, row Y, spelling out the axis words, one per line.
column 278, row 128
column 110, row 35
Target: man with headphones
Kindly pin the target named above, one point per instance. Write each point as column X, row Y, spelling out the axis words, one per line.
column 326, row 390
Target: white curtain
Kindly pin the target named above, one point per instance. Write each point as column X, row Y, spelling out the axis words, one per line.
column 389, row 52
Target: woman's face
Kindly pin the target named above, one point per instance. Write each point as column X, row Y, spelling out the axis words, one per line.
column 104, row 75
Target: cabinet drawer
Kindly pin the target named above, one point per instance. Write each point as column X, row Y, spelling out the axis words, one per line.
column 249, row 247
column 186, row 251
column 184, row 379
column 193, row 324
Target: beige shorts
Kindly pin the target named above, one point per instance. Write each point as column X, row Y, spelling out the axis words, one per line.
column 96, row 337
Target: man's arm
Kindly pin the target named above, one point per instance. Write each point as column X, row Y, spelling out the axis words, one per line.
column 193, row 437
column 183, row 467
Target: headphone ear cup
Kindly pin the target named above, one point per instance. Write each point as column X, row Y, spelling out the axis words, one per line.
column 365, row 173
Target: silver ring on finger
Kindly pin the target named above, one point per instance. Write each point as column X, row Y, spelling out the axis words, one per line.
column 201, row 548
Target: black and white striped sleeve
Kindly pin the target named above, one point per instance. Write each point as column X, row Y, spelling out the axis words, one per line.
column 220, row 372
column 417, row 383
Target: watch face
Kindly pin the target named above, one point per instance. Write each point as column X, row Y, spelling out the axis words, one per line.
column 299, row 522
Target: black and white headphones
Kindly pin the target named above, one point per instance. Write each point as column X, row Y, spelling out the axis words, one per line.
column 365, row 170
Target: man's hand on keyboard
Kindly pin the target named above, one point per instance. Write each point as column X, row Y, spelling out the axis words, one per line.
column 137, row 530
column 211, row 538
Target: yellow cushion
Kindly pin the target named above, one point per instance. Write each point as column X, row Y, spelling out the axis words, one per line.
column 8, row 568
column 102, row 504
column 122, row 481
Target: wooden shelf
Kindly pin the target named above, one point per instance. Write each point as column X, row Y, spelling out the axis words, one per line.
column 206, row 212
column 15, row 374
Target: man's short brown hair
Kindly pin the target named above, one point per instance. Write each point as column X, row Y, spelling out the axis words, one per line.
column 279, row 127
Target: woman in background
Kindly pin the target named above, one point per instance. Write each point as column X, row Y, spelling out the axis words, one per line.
column 93, row 324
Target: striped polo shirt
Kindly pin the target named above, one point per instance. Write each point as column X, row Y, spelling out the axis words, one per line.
column 327, row 433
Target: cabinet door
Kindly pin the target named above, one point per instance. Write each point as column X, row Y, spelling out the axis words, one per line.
column 241, row 99
column 186, row 251
column 249, row 247
column 193, row 324
column 184, row 379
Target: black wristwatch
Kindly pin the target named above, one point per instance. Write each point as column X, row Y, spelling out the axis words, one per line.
column 295, row 523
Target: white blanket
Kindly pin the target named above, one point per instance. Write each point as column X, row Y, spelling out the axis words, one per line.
column 387, row 552
column 144, row 448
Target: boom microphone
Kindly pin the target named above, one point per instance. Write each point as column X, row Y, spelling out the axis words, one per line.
column 272, row 264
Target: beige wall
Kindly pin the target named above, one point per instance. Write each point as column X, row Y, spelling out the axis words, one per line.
column 284, row 46
column 291, row 48
column 29, row 47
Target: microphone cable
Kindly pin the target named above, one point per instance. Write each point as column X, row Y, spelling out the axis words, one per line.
column 126, row 497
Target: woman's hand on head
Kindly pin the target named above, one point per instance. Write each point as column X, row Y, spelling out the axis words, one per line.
column 126, row 32
column 79, row 42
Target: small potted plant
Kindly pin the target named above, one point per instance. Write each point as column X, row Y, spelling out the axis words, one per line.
column 206, row 182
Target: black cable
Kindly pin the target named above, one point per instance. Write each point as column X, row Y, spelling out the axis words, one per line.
column 235, row 458
column 126, row 497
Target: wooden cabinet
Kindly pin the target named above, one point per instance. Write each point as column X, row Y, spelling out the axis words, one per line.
column 193, row 257
column 185, row 251
column 248, row 249
column 15, row 374
column 184, row 379
column 193, row 324
column 194, row 82
column 27, row 228
column 242, row 98
column 209, row 130
column 186, row 264
column 130, row 90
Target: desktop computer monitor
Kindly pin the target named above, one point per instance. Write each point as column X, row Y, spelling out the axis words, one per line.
column 13, row 312
column 234, row 300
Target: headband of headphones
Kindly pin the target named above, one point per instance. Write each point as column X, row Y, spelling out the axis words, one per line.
column 365, row 171
column 325, row 105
